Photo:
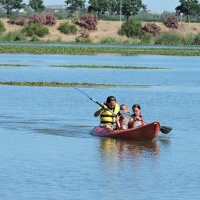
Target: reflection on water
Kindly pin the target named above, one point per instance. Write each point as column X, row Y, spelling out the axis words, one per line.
column 113, row 150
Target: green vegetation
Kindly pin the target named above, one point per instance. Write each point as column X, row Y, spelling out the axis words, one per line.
column 104, row 67
column 12, row 65
column 59, row 84
column 16, row 36
column 37, row 5
column 2, row 27
column 101, row 50
column 10, row 5
column 67, row 28
column 130, row 28
column 35, row 29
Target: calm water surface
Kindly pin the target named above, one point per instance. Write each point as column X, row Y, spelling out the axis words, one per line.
column 46, row 150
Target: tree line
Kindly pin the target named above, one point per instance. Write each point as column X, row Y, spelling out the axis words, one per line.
column 126, row 8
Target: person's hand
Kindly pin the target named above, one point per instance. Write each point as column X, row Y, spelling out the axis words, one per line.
column 104, row 107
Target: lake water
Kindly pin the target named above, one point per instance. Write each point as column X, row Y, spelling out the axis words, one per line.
column 47, row 151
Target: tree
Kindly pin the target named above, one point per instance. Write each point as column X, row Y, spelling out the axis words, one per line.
column 74, row 5
column 188, row 7
column 131, row 7
column 98, row 6
column 37, row 5
column 114, row 6
column 9, row 5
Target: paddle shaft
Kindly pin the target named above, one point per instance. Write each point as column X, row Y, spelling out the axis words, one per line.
column 94, row 100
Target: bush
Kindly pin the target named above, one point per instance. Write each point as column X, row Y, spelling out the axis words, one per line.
column 150, row 28
column 109, row 40
column 197, row 39
column 146, row 39
column 130, row 28
column 169, row 39
column 37, row 18
column 88, row 22
column 188, row 39
column 67, row 28
column 82, row 40
column 35, row 29
column 2, row 27
column 34, row 38
column 16, row 36
column 18, row 21
column 171, row 22
column 50, row 20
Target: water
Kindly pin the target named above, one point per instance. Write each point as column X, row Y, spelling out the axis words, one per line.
column 46, row 150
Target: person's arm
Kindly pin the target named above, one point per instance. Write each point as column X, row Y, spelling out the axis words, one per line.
column 118, row 124
column 98, row 112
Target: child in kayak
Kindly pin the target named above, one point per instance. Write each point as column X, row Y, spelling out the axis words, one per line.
column 137, row 119
column 122, row 121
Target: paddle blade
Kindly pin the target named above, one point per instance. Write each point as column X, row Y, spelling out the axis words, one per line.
column 165, row 129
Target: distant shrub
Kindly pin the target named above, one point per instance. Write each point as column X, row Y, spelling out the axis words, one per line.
column 18, row 21
column 50, row 20
column 147, row 39
column 197, row 39
column 13, row 37
column 67, row 28
column 88, row 21
column 109, row 40
column 37, row 18
column 188, row 39
column 2, row 27
column 35, row 29
column 169, row 39
column 34, row 38
column 171, row 22
column 82, row 40
column 130, row 28
column 150, row 28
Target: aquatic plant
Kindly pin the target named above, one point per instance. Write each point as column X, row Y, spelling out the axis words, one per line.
column 60, row 84
column 84, row 50
column 104, row 67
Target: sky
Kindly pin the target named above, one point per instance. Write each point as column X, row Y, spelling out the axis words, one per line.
column 154, row 6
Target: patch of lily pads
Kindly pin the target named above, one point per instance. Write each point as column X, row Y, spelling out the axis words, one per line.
column 12, row 65
column 77, row 50
column 105, row 67
column 60, row 84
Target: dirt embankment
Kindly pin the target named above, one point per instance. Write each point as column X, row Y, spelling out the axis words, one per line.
column 105, row 29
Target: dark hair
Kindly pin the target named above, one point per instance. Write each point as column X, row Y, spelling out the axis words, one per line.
column 110, row 98
column 136, row 106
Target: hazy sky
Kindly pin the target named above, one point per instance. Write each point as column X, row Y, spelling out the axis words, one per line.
column 155, row 6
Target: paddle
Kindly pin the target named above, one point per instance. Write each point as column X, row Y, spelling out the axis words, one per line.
column 163, row 129
column 94, row 100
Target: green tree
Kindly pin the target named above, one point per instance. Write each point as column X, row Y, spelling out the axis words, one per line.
column 74, row 5
column 132, row 7
column 99, row 6
column 37, row 5
column 114, row 6
column 188, row 8
column 9, row 5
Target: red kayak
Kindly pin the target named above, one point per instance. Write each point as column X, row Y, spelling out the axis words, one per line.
column 146, row 132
